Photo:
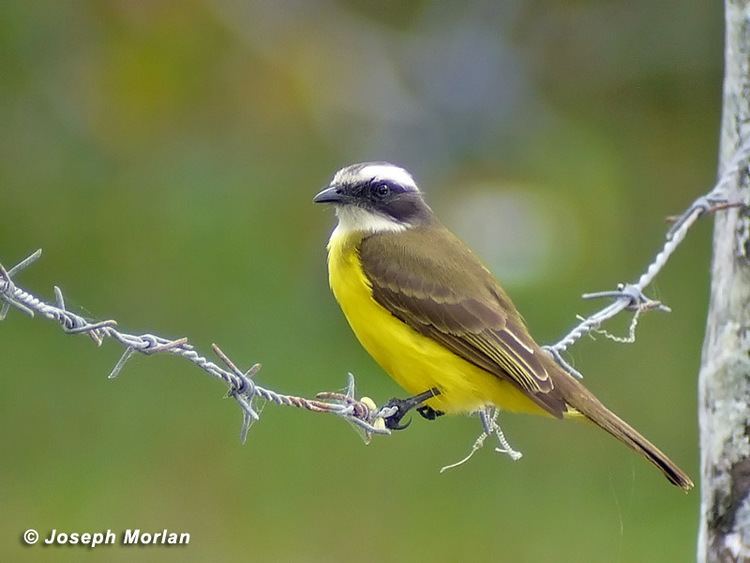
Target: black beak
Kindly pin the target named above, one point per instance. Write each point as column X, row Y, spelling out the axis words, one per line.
column 329, row 195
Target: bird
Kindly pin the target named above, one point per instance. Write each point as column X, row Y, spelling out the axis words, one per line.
column 428, row 311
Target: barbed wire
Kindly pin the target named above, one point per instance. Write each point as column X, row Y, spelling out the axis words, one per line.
column 631, row 296
column 626, row 297
column 362, row 413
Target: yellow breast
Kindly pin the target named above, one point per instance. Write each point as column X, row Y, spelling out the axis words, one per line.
column 417, row 363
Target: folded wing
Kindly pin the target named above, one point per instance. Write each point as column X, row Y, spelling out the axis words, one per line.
column 431, row 281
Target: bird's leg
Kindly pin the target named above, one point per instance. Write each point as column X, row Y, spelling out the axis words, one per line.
column 403, row 406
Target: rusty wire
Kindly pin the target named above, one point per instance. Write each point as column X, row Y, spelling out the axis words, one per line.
column 362, row 413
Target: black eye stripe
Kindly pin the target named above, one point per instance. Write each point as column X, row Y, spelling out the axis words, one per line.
column 393, row 187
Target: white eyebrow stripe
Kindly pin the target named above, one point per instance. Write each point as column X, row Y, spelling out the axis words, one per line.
column 387, row 172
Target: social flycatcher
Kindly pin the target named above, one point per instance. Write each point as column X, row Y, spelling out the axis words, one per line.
column 427, row 310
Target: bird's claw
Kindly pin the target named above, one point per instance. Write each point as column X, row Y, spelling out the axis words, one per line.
column 394, row 423
column 403, row 406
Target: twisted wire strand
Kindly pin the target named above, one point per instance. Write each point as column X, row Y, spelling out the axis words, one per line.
column 631, row 296
column 242, row 387
column 362, row 413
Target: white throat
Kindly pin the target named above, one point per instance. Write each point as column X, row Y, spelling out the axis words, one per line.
column 357, row 219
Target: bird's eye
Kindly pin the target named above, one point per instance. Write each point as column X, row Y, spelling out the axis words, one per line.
column 382, row 190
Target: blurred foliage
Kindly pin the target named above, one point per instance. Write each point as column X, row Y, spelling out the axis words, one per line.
column 164, row 155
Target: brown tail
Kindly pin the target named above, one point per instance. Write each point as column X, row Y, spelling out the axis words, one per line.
column 577, row 396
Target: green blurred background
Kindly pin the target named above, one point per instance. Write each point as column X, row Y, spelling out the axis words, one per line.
column 164, row 155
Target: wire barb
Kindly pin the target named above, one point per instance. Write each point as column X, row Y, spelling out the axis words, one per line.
column 626, row 297
column 361, row 413
column 631, row 296
column 488, row 417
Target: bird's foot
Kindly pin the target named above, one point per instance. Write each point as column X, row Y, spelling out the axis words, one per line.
column 403, row 406
column 426, row 411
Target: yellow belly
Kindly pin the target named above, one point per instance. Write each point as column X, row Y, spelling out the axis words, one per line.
column 416, row 362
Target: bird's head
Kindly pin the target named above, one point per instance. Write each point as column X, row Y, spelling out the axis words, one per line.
column 375, row 197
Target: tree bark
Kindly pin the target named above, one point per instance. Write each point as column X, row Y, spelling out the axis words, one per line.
column 724, row 382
